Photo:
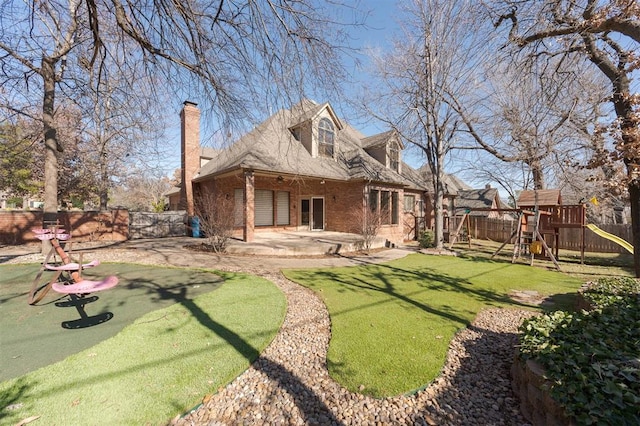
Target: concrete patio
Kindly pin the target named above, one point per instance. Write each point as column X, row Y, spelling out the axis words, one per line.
column 302, row 243
column 280, row 244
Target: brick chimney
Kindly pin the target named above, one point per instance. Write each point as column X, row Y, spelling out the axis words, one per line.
column 190, row 153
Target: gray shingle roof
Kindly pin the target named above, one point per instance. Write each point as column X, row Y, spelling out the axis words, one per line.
column 381, row 139
column 477, row 199
column 451, row 183
column 308, row 110
column 272, row 147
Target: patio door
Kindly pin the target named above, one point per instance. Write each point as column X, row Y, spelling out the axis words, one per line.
column 312, row 213
column 305, row 212
column 317, row 217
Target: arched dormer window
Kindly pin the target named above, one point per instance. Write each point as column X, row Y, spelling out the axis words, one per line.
column 394, row 157
column 326, row 137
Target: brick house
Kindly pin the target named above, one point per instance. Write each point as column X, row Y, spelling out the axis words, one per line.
column 304, row 169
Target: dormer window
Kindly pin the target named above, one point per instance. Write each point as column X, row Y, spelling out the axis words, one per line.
column 394, row 157
column 326, row 137
column 296, row 133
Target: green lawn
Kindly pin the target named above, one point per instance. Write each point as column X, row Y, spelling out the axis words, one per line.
column 391, row 324
column 158, row 366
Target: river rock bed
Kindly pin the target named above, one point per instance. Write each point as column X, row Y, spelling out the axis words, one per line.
column 289, row 383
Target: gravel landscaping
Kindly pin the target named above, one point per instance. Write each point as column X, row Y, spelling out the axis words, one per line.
column 289, row 383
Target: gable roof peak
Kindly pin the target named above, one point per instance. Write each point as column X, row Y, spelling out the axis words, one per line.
column 382, row 139
column 308, row 110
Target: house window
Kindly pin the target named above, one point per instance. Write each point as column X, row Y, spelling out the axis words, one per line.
column 326, row 138
column 394, row 157
column 394, row 208
column 373, row 200
column 263, row 203
column 238, row 209
column 409, row 203
column 384, row 207
column 282, row 208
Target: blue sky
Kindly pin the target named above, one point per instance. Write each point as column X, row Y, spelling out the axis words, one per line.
column 380, row 25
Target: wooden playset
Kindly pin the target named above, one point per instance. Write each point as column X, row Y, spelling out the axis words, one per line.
column 540, row 216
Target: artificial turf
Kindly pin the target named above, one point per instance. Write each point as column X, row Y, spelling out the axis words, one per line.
column 198, row 331
column 391, row 324
column 32, row 336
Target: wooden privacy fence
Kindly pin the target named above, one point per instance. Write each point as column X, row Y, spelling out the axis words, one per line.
column 482, row 228
column 570, row 239
column 157, row 225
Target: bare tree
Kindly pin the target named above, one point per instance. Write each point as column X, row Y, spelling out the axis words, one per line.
column 529, row 117
column 430, row 64
column 604, row 33
column 367, row 222
column 243, row 54
column 212, row 210
column 140, row 192
column 123, row 124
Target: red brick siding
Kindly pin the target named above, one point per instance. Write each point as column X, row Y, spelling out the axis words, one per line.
column 340, row 200
column 408, row 218
column 16, row 226
column 190, row 153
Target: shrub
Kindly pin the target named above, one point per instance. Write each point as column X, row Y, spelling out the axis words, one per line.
column 366, row 223
column 592, row 359
column 15, row 202
column 427, row 239
column 607, row 291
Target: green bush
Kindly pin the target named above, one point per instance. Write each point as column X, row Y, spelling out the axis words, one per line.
column 15, row 202
column 427, row 239
column 592, row 359
column 608, row 291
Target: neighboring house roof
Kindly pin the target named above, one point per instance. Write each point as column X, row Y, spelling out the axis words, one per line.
column 545, row 197
column 451, row 183
column 272, row 147
column 172, row 191
column 487, row 198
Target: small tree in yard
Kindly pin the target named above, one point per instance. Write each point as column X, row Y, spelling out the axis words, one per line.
column 215, row 213
column 366, row 222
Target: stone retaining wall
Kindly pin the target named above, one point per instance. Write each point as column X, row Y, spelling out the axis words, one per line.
column 536, row 405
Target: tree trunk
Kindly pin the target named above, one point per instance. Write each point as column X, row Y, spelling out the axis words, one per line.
column 634, row 196
column 438, row 202
column 51, row 148
column 104, row 180
column 438, row 210
column 537, row 174
column 629, row 135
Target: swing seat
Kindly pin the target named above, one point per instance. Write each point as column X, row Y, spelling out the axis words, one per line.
column 51, row 236
column 45, row 231
column 72, row 266
column 86, row 286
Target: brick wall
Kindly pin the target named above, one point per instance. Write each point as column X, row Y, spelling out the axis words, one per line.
column 536, row 405
column 340, row 199
column 113, row 225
